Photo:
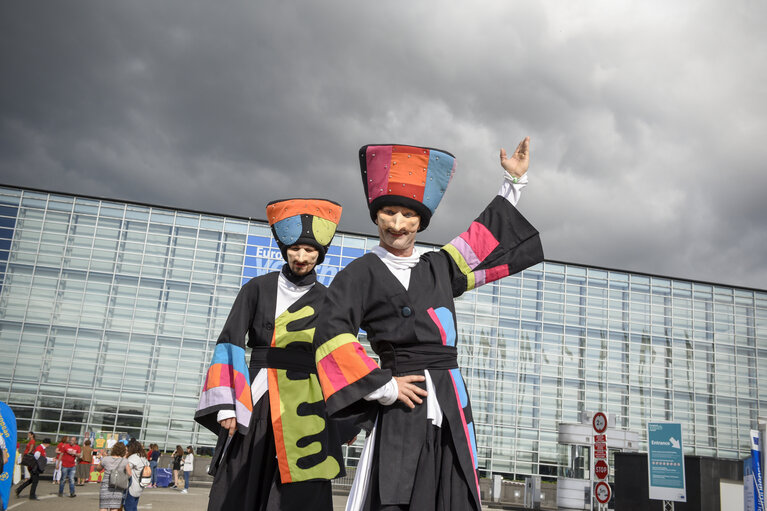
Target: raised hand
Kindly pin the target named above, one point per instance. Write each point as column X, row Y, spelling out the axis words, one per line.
column 517, row 165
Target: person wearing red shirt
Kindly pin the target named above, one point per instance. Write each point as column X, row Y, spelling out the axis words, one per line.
column 28, row 449
column 69, row 453
column 30, row 444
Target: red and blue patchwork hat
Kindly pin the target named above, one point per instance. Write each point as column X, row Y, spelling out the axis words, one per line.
column 402, row 175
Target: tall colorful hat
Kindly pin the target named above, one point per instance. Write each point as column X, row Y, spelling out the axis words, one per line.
column 309, row 221
column 403, row 175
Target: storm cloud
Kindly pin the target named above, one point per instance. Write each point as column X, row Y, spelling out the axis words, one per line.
column 647, row 120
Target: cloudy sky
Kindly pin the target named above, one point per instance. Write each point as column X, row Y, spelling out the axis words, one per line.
column 648, row 119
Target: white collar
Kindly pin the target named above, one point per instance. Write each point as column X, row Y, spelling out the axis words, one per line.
column 397, row 262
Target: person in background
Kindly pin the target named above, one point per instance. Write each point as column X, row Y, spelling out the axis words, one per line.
column 110, row 498
column 138, row 462
column 178, row 456
column 84, row 465
column 149, row 458
column 17, row 469
column 4, row 457
column 154, row 459
column 69, row 453
column 35, row 471
column 30, row 448
column 188, row 467
column 57, row 465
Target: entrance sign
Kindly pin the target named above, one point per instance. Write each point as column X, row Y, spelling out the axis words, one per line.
column 665, row 461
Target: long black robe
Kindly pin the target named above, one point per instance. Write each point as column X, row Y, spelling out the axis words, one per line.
column 284, row 452
column 416, row 465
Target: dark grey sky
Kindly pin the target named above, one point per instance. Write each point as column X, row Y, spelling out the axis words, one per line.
column 648, row 119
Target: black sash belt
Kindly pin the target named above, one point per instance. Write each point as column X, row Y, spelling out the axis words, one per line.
column 406, row 358
column 282, row 358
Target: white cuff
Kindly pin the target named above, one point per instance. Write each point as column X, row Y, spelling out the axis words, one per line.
column 511, row 189
column 386, row 395
column 225, row 414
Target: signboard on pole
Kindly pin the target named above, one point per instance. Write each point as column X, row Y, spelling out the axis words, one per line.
column 600, row 468
column 665, row 461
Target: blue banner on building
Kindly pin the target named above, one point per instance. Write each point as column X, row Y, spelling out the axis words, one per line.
column 752, row 475
column 665, row 463
column 8, row 213
column 262, row 256
column 8, row 432
column 749, row 487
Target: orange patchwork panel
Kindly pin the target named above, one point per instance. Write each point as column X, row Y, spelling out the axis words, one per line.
column 288, row 208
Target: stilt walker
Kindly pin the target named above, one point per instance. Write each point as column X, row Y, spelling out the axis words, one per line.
column 417, row 456
column 276, row 449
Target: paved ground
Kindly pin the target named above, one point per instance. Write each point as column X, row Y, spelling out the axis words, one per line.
column 156, row 499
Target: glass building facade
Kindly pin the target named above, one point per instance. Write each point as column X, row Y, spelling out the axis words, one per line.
column 109, row 312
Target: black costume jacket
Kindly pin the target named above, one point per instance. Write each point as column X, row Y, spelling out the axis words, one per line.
column 304, row 442
column 411, row 330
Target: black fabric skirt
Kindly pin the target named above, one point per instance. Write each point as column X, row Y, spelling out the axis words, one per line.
column 248, row 477
column 439, row 483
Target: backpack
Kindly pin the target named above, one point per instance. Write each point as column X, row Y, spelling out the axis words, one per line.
column 143, row 475
column 118, row 478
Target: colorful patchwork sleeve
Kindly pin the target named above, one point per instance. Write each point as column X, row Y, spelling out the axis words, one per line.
column 227, row 383
column 345, row 370
column 500, row 242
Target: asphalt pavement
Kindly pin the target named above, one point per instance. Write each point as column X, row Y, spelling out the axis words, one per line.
column 156, row 499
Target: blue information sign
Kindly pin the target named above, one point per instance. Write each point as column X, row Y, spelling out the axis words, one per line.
column 665, row 461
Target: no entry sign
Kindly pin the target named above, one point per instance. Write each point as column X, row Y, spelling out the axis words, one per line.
column 602, row 492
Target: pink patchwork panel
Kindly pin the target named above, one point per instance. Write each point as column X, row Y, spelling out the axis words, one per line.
column 241, row 386
column 480, row 239
column 225, row 377
column 333, row 372
column 497, row 272
column 369, row 362
column 433, row 316
column 378, row 160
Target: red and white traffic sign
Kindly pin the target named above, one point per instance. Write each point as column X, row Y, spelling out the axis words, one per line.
column 601, row 469
column 602, row 492
column 599, row 422
column 600, row 446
